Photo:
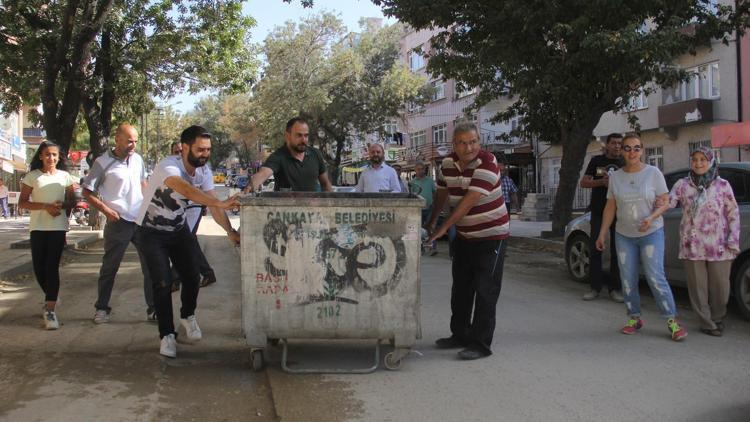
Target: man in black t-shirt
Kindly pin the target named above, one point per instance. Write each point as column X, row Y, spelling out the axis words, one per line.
column 596, row 178
column 295, row 165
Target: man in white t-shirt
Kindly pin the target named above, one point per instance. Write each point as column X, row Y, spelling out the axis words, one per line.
column 164, row 234
column 118, row 177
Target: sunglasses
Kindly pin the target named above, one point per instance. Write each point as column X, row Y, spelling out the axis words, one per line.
column 628, row 148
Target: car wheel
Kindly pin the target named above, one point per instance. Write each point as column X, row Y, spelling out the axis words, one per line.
column 577, row 256
column 742, row 288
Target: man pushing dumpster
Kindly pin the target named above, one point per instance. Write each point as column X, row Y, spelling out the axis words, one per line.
column 165, row 236
column 471, row 183
column 295, row 165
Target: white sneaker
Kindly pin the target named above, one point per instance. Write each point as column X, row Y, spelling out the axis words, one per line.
column 192, row 330
column 168, row 346
column 50, row 321
column 101, row 316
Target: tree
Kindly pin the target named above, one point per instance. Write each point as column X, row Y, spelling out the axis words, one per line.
column 346, row 84
column 110, row 57
column 565, row 62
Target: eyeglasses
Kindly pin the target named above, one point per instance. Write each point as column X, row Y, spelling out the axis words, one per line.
column 628, row 148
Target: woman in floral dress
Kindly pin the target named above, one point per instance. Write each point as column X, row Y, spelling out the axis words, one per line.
column 709, row 238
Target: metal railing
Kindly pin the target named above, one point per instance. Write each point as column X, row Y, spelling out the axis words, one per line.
column 580, row 201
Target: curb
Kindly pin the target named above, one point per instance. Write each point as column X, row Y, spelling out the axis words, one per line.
column 25, row 267
column 554, row 246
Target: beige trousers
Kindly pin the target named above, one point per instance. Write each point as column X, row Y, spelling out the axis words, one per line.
column 708, row 285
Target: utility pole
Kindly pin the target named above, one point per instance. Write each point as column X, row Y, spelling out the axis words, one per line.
column 157, row 145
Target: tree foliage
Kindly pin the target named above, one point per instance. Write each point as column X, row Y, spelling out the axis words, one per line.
column 565, row 62
column 346, row 84
column 110, row 57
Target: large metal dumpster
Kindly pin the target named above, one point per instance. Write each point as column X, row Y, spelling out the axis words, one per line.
column 331, row 266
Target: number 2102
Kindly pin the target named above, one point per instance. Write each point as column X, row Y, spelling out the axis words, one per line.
column 329, row 311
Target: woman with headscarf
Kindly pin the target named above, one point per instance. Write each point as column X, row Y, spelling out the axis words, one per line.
column 709, row 237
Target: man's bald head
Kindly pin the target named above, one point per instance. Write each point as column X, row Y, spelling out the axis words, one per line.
column 126, row 138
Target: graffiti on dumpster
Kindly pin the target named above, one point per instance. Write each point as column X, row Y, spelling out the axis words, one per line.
column 344, row 252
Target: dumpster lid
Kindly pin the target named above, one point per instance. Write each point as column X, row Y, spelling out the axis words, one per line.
column 334, row 198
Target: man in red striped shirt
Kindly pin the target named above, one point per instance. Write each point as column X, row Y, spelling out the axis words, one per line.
column 471, row 183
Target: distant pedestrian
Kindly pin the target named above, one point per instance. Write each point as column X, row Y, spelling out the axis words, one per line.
column 378, row 176
column 4, row 199
column 596, row 178
column 634, row 192
column 46, row 191
column 709, row 238
column 295, row 166
column 176, row 148
column 510, row 191
column 401, row 182
column 114, row 186
column 423, row 185
column 164, row 235
column 471, row 184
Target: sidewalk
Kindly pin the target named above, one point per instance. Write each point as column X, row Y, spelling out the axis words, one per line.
column 15, row 255
column 530, row 232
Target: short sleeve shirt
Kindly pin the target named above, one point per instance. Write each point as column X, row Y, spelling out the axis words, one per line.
column 48, row 188
column 163, row 208
column 290, row 173
column 118, row 183
column 599, row 166
column 636, row 194
column 424, row 187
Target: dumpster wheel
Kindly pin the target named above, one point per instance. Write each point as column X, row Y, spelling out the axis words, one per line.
column 392, row 361
column 256, row 360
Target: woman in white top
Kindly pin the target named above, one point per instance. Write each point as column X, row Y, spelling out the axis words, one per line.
column 633, row 194
column 44, row 191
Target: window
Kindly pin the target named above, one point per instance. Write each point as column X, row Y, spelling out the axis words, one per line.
column 638, row 102
column 416, row 59
column 414, row 107
column 439, row 93
column 655, row 157
column 692, row 146
column 440, row 134
column 704, row 82
column 418, row 138
column 465, row 93
column 390, row 128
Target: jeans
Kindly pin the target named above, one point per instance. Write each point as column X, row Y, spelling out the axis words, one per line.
column 46, row 251
column 181, row 247
column 597, row 275
column 117, row 236
column 477, row 279
column 650, row 250
column 4, row 206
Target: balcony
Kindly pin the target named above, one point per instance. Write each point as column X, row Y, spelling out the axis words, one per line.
column 696, row 110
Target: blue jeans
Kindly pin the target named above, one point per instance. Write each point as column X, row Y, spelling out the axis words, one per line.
column 650, row 250
column 4, row 206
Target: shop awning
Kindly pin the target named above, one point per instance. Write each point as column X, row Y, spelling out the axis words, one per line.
column 10, row 166
column 729, row 135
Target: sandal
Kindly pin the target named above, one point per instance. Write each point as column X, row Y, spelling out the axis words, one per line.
column 710, row 332
column 208, row 279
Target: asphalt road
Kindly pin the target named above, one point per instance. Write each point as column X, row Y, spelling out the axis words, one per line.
column 556, row 358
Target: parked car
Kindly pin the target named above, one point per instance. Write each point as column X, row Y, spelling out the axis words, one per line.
column 577, row 240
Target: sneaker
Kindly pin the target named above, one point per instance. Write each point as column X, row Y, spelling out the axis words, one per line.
column 593, row 294
column 633, row 325
column 472, row 353
column 678, row 333
column 101, row 316
column 50, row 320
column 616, row 296
column 190, row 324
column 168, row 346
column 151, row 315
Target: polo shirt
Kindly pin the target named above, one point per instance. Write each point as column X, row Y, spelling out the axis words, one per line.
column 290, row 173
column 118, row 183
column 488, row 219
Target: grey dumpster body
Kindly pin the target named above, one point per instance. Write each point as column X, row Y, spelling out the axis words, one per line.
column 331, row 266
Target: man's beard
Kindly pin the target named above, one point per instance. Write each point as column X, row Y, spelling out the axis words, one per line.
column 376, row 160
column 300, row 147
column 196, row 161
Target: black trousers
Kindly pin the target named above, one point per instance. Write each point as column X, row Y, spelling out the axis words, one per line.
column 181, row 248
column 596, row 273
column 46, row 251
column 477, row 279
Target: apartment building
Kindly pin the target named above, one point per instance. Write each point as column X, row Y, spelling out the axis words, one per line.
column 674, row 120
column 426, row 130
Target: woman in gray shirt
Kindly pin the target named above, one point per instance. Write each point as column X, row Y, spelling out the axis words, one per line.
column 633, row 195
